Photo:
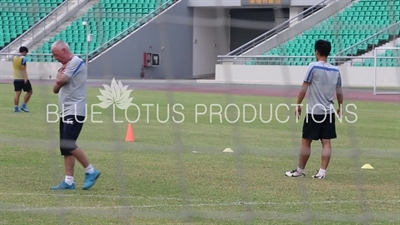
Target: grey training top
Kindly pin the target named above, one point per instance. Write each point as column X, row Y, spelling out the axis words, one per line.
column 323, row 78
column 72, row 96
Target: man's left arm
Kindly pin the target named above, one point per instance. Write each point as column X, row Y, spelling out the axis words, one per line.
column 339, row 93
column 23, row 69
column 61, row 79
column 66, row 72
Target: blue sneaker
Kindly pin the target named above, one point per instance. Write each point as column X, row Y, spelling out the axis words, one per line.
column 63, row 186
column 16, row 109
column 23, row 108
column 90, row 179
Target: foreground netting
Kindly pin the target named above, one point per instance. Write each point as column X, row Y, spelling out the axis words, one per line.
column 164, row 177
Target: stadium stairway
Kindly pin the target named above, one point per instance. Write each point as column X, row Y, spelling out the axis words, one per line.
column 74, row 15
column 107, row 20
column 362, row 19
column 381, row 53
column 17, row 16
column 38, row 31
column 292, row 27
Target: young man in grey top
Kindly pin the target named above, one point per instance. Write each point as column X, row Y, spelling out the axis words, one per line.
column 322, row 80
column 71, row 89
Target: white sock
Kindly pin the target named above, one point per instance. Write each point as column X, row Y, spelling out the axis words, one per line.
column 322, row 172
column 69, row 180
column 89, row 169
column 300, row 170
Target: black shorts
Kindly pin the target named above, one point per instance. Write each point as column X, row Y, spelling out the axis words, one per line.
column 317, row 127
column 20, row 85
column 70, row 128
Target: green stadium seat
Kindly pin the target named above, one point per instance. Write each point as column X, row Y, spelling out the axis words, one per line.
column 357, row 22
column 107, row 18
column 16, row 16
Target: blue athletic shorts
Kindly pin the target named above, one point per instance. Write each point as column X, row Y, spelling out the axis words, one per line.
column 70, row 128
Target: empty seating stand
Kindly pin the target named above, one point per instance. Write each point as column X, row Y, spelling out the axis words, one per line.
column 17, row 16
column 393, row 59
column 106, row 19
column 355, row 23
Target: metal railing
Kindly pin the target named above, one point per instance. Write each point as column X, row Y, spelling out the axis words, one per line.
column 392, row 29
column 33, row 57
column 298, row 60
column 132, row 28
column 40, row 66
column 267, row 35
column 41, row 22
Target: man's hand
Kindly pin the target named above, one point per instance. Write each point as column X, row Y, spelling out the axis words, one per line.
column 339, row 96
column 339, row 111
column 61, row 78
column 62, row 68
column 301, row 96
column 297, row 111
column 23, row 70
column 57, row 87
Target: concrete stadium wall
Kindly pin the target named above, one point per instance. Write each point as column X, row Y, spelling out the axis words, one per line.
column 211, row 38
column 293, row 75
column 170, row 35
column 245, row 74
column 36, row 70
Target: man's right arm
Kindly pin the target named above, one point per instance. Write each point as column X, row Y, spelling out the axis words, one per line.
column 306, row 82
column 23, row 69
column 339, row 95
column 339, row 91
column 56, row 89
column 304, row 87
column 58, row 85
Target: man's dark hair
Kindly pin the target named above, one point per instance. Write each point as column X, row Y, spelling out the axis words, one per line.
column 323, row 47
column 23, row 49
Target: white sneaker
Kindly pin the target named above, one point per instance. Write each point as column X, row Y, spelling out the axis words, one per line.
column 318, row 176
column 294, row 173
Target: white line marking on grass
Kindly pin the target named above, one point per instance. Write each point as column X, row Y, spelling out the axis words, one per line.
column 109, row 146
column 32, row 209
column 160, row 198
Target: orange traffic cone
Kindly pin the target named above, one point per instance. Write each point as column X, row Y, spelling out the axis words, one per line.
column 130, row 137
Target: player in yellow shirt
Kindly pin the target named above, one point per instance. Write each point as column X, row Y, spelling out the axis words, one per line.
column 21, row 80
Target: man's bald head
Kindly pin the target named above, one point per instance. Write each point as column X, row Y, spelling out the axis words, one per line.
column 60, row 43
column 61, row 51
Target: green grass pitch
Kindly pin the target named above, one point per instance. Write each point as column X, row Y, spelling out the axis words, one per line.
column 176, row 173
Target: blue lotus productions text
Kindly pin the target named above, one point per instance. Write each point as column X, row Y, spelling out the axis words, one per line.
column 205, row 113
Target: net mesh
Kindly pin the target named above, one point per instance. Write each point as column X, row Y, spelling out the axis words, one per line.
column 176, row 172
